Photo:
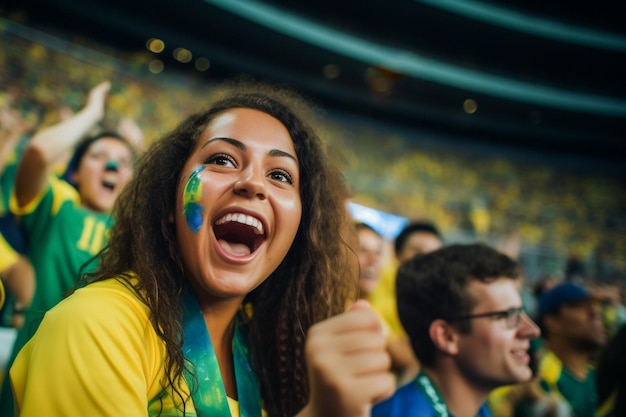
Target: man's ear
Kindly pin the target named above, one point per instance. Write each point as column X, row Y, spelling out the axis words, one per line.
column 444, row 336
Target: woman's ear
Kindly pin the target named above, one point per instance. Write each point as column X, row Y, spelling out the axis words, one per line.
column 170, row 218
column 444, row 336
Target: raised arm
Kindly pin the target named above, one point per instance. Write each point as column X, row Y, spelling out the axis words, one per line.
column 50, row 143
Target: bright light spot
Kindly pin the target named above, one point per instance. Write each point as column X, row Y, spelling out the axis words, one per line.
column 470, row 106
column 155, row 45
column 182, row 55
column 156, row 66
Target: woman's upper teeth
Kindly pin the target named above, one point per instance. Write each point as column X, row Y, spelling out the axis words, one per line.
column 243, row 219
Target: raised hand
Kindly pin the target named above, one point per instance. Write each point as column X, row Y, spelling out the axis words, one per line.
column 96, row 98
column 349, row 367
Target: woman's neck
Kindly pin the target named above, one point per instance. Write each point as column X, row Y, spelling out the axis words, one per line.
column 220, row 321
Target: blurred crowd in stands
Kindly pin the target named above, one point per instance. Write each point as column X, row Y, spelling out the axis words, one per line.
column 557, row 216
column 556, row 213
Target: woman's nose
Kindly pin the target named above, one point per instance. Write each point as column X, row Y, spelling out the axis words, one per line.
column 251, row 183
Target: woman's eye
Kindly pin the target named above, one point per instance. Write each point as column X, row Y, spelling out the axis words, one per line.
column 125, row 163
column 99, row 156
column 281, row 176
column 221, row 159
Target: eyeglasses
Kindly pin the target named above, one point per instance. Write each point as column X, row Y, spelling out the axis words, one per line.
column 512, row 316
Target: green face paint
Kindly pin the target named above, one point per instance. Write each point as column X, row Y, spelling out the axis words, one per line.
column 192, row 194
column 111, row 165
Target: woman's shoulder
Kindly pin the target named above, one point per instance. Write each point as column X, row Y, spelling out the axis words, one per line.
column 98, row 344
column 103, row 317
column 104, row 303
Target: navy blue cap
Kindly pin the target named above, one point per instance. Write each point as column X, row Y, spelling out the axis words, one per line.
column 567, row 293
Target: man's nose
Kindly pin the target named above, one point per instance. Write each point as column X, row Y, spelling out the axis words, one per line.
column 529, row 327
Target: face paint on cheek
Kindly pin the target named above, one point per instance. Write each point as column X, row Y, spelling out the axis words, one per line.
column 193, row 192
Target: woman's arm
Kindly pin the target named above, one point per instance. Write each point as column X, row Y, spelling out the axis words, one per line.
column 50, row 143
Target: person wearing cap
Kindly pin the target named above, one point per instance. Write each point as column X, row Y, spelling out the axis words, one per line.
column 66, row 220
column 573, row 333
column 461, row 308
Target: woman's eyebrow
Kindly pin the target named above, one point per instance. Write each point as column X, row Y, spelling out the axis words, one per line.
column 242, row 146
column 231, row 141
column 278, row 152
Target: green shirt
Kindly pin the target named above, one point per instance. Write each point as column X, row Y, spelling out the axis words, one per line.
column 580, row 394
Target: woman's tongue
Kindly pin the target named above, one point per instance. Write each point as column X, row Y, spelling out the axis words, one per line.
column 234, row 247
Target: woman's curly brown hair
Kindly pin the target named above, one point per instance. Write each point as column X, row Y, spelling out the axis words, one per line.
column 313, row 282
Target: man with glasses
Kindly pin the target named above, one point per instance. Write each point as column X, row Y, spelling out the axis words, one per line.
column 461, row 308
column 573, row 334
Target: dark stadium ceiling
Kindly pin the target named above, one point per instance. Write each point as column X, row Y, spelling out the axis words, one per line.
column 541, row 75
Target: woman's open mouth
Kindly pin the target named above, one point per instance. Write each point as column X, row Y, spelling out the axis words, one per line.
column 238, row 233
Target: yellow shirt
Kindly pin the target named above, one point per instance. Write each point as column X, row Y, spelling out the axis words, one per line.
column 8, row 255
column 383, row 300
column 96, row 354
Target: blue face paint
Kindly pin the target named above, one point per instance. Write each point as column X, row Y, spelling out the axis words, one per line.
column 191, row 195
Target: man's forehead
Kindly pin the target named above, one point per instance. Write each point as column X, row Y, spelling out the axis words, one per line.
column 500, row 291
